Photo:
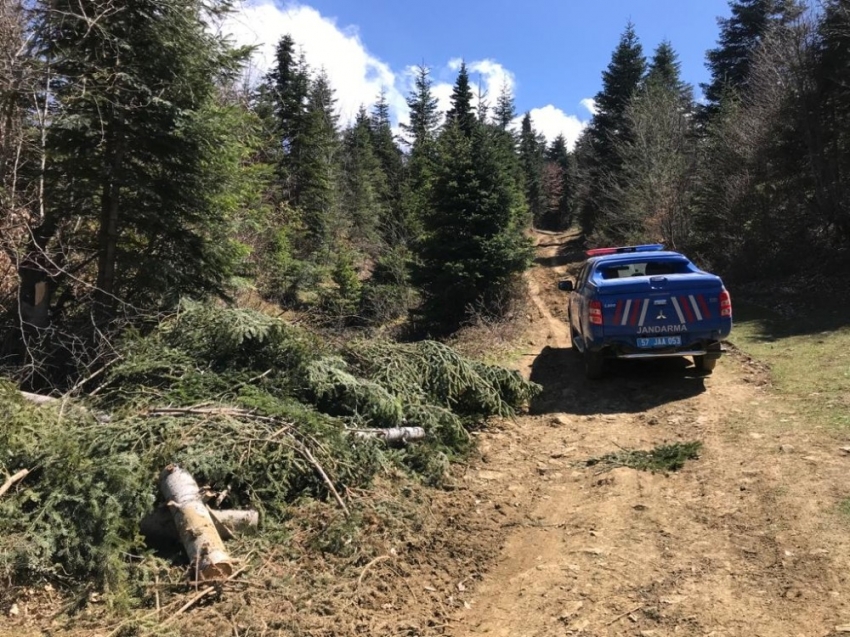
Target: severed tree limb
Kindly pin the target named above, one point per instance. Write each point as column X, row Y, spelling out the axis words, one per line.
column 194, row 523
column 11, row 480
column 392, row 434
column 159, row 523
column 38, row 399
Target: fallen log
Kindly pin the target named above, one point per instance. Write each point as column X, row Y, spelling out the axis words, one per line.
column 158, row 525
column 195, row 525
column 392, row 434
column 38, row 399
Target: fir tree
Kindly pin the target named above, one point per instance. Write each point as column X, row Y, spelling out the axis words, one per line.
column 422, row 135
column 559, row 185
column 609, row 127
column 740, row 35
column 363, row 184
column 474, row 242
column 394, row 225
column 287, row 87
column 505, row 111
column 317, row 165
column 665, row 70
column 424, row 111
column 531, row 156
column 133, row 140
column 461, row 111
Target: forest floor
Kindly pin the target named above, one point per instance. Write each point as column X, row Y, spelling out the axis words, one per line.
column 528, row 539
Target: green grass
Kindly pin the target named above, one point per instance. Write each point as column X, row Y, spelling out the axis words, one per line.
column 808, row 353
column 843, row 508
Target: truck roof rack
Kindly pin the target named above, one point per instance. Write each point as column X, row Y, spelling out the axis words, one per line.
column 649, row 247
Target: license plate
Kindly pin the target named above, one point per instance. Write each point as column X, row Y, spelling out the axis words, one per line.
column 660, row 341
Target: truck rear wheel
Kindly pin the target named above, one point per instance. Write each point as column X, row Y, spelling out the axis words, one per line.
column 704, row 363
column 594, row 365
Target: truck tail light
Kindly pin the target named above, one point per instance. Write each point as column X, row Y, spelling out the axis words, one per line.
column 596, row 312
column 725, row 304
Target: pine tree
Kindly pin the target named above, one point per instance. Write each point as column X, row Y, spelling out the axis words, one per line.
column 133, row 141
column 421, row 132
column 287, row 87
column 609, row 127
column 664, row 70
column 394, row 225
column 424, row 111
column 828, row 135
column 474, row 242
column 315, row 193
column 559, row 184
column 461, row 111
column 363, row 185
column 531, row 156
column 740, row 36
column 505, row 111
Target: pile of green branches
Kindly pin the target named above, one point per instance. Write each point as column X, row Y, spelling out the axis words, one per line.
column 661, row 459
column 246, row 403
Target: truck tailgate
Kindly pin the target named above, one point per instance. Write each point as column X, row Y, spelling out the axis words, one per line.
column 642, row 311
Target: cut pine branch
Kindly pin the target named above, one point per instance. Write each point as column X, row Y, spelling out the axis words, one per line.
column 195, row 525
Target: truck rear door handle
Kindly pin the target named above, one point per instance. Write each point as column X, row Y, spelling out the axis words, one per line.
column 657, row 282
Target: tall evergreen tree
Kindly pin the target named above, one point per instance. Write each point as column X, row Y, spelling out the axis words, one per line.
column 609, row 127
column 287, row 88
column 829, row 137
column 317, row 165
column 740, row 34
column 664, row 70
column 505, row 111
column 424, row 111
column 422, row 137
column 531, row 157
column 393, row 224
column 132, row 142
column 461, row 111
column 559, row 184
column 363, row 185
column 474, row 242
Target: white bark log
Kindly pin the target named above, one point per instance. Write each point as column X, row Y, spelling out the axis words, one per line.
column 158, row 525
column 393, row 434
column 194, row 524
column 38, row 399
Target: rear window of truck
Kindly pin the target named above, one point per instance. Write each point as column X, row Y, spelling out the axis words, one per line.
column 644, row 268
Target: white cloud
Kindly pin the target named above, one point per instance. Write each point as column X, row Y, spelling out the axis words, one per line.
column 590, row 105
column 551, row 121
column 357, row 75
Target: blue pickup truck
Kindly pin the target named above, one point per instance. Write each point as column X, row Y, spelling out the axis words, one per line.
column 645, row 302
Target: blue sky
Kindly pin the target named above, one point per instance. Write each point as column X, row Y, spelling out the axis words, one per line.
column 551, row 51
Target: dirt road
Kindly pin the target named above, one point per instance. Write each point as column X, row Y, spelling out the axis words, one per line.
column 747, row 540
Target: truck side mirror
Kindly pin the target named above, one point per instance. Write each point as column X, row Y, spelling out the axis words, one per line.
column 566, row 285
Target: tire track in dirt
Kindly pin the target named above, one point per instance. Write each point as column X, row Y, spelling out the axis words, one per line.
column 745, row 541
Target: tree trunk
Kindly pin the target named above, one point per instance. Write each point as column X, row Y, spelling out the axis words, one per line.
column 158, row 525
column 195, row 525
column 107, row 238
